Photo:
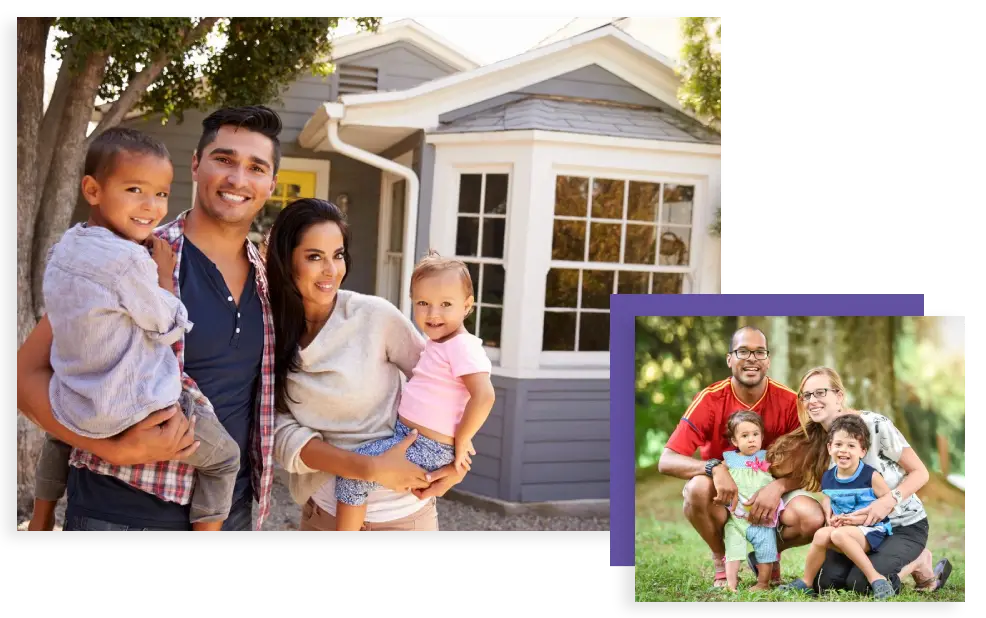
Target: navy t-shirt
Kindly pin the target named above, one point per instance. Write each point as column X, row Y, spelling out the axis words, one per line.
column 223, row 354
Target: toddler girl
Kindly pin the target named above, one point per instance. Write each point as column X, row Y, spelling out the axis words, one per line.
column 449, row 395
column 748, row 467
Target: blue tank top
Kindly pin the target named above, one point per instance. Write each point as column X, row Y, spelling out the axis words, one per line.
column 853, row 493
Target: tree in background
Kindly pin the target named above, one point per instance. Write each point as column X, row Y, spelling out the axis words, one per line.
column 701, row 76
column 163, row 65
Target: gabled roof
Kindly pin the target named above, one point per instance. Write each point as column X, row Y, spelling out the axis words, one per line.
column 420, row 107
column 607, row 31
column 403, row 30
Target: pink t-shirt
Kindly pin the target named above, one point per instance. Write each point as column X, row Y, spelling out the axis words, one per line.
column 435, row 397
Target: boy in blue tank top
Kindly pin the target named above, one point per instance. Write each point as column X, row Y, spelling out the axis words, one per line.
column 848, row 487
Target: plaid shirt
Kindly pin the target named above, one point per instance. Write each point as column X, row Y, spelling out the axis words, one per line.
column 172, row 480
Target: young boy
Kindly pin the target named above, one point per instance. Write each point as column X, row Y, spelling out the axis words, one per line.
column 849, row 486
column 114, row 317
column 449, row 396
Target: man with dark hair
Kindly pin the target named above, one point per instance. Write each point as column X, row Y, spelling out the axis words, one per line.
column 710, row 490
column 136, row 481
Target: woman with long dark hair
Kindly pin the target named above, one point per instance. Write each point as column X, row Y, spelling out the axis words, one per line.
column 337, row 377
column 822, row 399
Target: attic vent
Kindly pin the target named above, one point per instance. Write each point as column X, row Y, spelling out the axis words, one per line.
column 354, row 79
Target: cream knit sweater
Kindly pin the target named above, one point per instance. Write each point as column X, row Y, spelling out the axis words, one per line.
column 349, row 385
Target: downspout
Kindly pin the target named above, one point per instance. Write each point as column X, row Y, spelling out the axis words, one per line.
column 411, row 212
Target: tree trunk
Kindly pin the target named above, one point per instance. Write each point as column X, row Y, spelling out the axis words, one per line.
column 62, row 187
column 48, row 137
column 32, row 35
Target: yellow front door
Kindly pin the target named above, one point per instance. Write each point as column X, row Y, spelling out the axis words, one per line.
column 291, row 185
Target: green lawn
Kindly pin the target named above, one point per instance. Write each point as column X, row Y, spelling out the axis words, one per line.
column 674, row 564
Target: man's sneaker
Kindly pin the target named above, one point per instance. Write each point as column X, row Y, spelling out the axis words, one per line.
column 798, row 585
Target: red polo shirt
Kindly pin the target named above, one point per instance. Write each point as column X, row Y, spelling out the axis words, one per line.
column 704, row 423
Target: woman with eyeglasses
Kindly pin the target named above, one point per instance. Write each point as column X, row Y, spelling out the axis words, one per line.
column 821, row 399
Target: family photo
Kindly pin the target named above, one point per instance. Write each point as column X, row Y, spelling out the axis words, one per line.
column 365, row 288
column 799, row 458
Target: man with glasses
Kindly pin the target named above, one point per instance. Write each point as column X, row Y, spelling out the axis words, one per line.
column 710, row 489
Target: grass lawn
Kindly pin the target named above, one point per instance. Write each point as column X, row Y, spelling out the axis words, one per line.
column 674, row 564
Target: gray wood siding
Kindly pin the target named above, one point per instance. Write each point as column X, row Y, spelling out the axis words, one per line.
column 549, row 440
column 400, row 65
column 565, row 453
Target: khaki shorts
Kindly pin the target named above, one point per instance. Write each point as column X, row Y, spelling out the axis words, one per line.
column 313, row 517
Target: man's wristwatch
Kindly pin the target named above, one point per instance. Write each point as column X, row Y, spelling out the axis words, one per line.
column 712, row 463
column 899, row 497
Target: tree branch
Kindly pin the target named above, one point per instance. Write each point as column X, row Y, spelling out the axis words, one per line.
column 146, row 77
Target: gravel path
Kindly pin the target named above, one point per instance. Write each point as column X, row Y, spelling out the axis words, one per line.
column 452, row 515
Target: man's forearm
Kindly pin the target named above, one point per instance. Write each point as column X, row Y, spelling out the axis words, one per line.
column 680, row 466
column 33, row 402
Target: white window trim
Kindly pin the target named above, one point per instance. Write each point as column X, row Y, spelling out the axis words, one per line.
column 447, row 244
column 387, row 182
column 321, row 167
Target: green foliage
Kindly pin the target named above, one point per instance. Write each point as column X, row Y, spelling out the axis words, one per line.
column 933, row 394
column 675, row 359
column 701, row 67
column 247, row 60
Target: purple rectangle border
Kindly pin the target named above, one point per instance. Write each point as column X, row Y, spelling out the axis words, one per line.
column 624, row 309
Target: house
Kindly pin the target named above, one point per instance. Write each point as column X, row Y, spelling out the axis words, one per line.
column 560, row 175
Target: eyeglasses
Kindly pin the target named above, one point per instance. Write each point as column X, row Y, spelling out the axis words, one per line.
column 818, row 393
column 743, row 354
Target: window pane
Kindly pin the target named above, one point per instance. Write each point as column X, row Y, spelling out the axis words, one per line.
column 493, row 233
column 632, row 283
column 607, row 199
column 643, row 201
column 469, row 188
column 604, row 242
column 470, row 322
column 292, row 191
column 562, row 287
column 675, row 245
column 641, row 244
column 597, row 285
column 559, row 331
column 492, row 284
column 569, row 241
column 668, row 283
column 594, row 332
column 467, row 236
column 496, row 194
column 678, row 204
column 278, row 190
column 489, row 326
column 474, row 274
column 571, row 196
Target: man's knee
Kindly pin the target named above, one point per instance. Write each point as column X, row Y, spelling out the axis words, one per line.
column 857, row 582
column 698, row 493
column 804, row 515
